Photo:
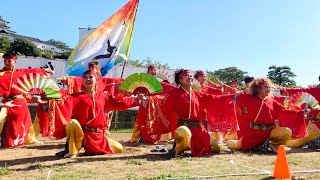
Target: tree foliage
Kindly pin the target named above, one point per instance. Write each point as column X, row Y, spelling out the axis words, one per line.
column 25, row 47
column 64, row 55
column 228, row 74
column 147, row 62
column 281, row 75
column 58, row 43
column 5, row 44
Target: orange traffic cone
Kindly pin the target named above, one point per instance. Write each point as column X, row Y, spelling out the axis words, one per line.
column 281, row 168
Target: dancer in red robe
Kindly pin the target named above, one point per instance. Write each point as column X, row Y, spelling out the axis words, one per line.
column 260, row 113
column 142, row 131
column 186, row 110
column 88, row 127
column 18, row 120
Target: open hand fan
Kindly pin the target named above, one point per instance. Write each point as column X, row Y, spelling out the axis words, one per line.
column 196, row 85
column 302, row 97
column 38, row 84
column 161, row 77
column 141, row 80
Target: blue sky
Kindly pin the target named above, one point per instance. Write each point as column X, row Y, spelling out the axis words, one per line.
column 206, row 34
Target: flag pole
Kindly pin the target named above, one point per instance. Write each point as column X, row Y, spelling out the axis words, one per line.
column 124, row 65
column 125, row 62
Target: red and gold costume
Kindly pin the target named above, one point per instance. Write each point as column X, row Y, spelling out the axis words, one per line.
column 257, row 121
column 18, row 118
column 89, row 112
column 186, row 109
column 146, row 125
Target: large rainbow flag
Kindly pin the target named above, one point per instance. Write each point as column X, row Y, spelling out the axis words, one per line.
column 109, row 44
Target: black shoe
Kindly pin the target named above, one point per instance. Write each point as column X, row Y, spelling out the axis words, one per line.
column 64, row 152
column 61, row 153
column 140, row 140
column 172, row 152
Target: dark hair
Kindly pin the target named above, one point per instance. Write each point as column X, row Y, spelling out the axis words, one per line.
column 177, row 74
column 9, row 55
column 248, row 79
column 319, row 77
column 199, row 73
column 96, row 64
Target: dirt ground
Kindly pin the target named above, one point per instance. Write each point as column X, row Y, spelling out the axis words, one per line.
column 137, row 162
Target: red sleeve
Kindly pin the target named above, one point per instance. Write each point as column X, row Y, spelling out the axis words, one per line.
column 33, row 70
column 292, row 91
column 60, row 113
column 111, row 85
column 74, row 84
column 292, row 119
column 118, row 103
column 221, row 113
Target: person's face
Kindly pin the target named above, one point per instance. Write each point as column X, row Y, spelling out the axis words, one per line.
column 234, row 85
column 89, row 81
column 9, row 63
column 152, row 71
column 92, row 68
column 247, row 85
column 186, row 80
column 264, row 90
column 202, row 79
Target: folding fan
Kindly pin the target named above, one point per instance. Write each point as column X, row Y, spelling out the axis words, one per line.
column 141, row 80
column 304, row 98
column 161, row 77
column 37, row 84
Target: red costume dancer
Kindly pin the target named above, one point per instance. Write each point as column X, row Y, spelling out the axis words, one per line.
column 259, row 114
column 310, row 125
column 213, row 89
column 18, row 120
column 88, row 127
column 147, row 127
column 145, row 117
column 186, row 109
column 111, row 85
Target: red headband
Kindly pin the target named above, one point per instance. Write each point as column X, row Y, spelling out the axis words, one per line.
column 152, row 67
column 90, row 72
column 12, row 58
column 261, row 83
column 234, row 81
column 184, row 73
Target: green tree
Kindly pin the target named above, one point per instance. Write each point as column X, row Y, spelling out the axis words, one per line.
column 228, row 74
column 64, row 55
column 58, row 43
column 281, row 75
column 147, row 62
column 5, row 44
column 136, row 63
column 47, row 54
column 25, row 47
